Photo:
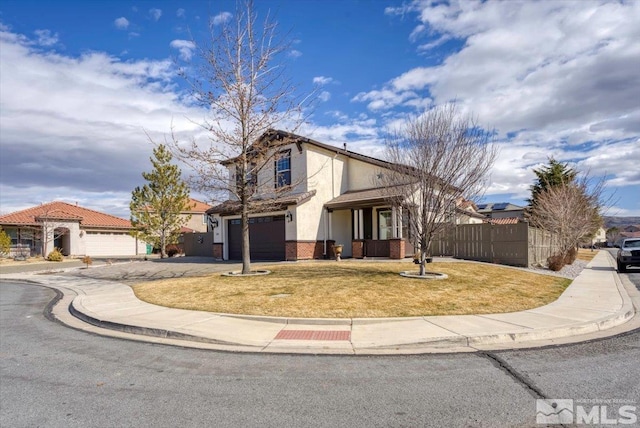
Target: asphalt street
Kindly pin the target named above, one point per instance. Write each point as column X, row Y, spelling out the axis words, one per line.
column 55, row 376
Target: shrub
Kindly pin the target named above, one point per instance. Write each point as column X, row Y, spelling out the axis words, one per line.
column 55, row 256
column 556, row 262
column 571, row 256
column 5, row 243
column 173, row 250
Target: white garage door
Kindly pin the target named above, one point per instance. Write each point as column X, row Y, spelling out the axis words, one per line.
column 110, row 244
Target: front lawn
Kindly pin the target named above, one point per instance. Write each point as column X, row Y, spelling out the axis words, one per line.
column 354, row 289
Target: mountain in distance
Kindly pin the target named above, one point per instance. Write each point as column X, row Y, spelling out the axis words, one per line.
column 620, row 222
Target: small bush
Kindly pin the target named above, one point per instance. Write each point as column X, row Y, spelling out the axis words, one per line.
column 571, row 256
column 556, row 262
column 55, row 256
column 173, row 250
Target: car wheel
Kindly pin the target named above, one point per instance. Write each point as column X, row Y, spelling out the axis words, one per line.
column 622, row 268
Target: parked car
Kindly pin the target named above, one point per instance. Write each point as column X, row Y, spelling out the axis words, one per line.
column 628, row 254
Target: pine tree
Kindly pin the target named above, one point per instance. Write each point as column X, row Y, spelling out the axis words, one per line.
column 554, row 174
column 156, row 207
column 5, row 243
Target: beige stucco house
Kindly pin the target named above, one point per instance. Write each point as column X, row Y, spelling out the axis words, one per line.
column 333, row 200
column 196, row 215
column 75, row 230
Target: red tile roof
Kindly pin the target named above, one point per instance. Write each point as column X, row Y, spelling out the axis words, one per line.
column 196, row 206
column 506, row 220
column 630, row 234
column 63, row 211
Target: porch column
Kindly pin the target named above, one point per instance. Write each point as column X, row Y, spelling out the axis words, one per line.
column 399, row 222
column 394, row 222
column 358, row 224
column 329, row 220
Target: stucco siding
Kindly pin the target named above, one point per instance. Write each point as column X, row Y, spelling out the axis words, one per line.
column 325, row 175
column 341, row 230
column 362, row 175
column 197, row 222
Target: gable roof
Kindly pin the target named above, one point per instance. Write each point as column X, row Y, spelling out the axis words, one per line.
column 196, row 206
column 361, row 198
column 58, row 210
column 232, row 207
column 282, row 138
column 275, row 138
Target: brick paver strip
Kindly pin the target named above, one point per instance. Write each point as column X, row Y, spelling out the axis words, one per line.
column 314, row 335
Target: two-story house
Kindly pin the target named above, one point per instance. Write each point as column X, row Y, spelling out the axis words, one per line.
column 333, row 200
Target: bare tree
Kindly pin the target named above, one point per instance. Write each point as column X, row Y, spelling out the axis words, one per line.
column 437, row 158
column 571, row 210
column 240, row 80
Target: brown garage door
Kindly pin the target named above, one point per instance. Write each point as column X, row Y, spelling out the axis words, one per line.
column 266, row 238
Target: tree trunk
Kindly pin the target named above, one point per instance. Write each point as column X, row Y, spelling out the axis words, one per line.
column 163, row 245
column 246, row 255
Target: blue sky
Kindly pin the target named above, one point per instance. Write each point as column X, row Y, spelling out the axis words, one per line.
column 82, row 81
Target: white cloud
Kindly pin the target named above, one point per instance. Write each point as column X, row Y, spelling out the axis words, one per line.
column 553, row 78
column 384, row 99
column 155, row 14
column 295, row 53
column 180, row 13
column 322, row 80
column 324, row 96
column 121, row 23
column 57, row 142
column 185, row 47
column 221, row 18
column 45, row 38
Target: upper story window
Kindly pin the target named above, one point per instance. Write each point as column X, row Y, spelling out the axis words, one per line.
column 251, row 178
column 283, row 169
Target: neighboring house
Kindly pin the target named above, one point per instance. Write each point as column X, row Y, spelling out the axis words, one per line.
column 632, row 228
column 600, row 237
column 501, row 210
column 199, row 218
column 334, row 200
column 467, row 213
column 75, row 230
column 624, row 235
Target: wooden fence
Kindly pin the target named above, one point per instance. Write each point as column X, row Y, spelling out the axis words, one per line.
column 198, row 244
column 510, row 244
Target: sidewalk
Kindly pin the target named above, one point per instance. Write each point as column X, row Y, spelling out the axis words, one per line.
column 594, row 302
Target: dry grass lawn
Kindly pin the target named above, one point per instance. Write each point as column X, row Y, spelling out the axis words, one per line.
column 359, row 290
column 586, row 254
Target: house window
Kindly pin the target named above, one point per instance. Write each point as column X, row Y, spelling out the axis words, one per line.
column 250, row 176
column 385, row 230
column 205, row 219
column 283, row 169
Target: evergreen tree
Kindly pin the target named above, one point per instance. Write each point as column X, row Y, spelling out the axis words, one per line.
column 554, row 174
column 5, row 242
column 156, row 206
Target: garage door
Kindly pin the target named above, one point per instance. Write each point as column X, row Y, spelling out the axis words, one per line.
column 266, row 238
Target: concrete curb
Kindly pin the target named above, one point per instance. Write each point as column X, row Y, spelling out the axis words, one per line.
column 586, row 310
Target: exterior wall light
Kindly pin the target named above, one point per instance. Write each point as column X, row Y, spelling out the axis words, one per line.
column 289, row 216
